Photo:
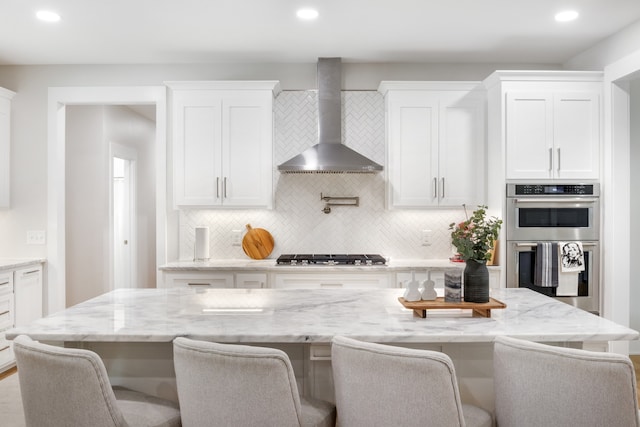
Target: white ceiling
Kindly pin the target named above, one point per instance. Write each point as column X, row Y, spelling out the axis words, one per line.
column 209, row 31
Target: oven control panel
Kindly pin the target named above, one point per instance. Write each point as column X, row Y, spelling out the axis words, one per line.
column 553, row 189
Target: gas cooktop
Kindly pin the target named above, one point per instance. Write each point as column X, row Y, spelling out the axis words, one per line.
column 331, row 259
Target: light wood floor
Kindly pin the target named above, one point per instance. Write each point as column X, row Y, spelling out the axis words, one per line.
column 8, row 372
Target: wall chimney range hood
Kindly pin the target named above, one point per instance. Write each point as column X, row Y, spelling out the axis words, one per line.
column 329, row 155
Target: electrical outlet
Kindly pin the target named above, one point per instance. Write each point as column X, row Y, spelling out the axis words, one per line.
column 236, row 237
column 427, row 235
column 36, row 237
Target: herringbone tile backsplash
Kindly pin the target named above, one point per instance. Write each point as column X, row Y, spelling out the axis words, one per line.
column 297, row 222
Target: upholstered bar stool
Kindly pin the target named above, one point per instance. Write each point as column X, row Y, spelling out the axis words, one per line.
column 70, row 387
column 542, row 385
column 383, row 385
column 241, row 385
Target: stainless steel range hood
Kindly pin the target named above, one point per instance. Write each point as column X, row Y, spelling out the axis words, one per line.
column 329, row 155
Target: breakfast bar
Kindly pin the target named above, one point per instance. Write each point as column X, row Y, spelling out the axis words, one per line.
column 133, row 329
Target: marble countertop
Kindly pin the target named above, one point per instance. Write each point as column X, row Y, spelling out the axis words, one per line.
column 312, row 316
column 271, row 266
column 13, row 263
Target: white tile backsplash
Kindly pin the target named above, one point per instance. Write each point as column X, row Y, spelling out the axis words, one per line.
column 297, row 222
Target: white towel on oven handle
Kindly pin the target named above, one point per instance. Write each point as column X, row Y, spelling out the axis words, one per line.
column 571, row 256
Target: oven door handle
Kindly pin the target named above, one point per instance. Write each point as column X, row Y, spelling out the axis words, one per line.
column 534, row 244
column 554, row 200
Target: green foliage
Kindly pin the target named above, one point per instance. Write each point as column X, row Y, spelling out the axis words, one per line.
column 474, row 237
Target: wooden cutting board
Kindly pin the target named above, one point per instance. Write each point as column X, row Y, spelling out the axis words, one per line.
column 257, row 243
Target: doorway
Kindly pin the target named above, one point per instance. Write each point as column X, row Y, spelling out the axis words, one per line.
column 123, row 221
column 165, row 224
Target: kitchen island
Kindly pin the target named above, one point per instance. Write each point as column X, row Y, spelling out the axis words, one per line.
column 132, row 330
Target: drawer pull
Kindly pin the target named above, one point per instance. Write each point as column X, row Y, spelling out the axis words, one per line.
column 30, row 272
column 4, row 283
column 6, row 347
column 5, row 312
column 198, row 284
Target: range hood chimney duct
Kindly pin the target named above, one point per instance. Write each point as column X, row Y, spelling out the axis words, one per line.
column 329, row 155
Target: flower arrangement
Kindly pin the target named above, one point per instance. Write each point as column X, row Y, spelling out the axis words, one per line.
column 474, row 237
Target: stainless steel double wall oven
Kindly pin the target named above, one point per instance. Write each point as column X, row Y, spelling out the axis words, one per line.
column 554, row 213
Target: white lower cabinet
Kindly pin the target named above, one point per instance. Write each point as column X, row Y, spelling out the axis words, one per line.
column 199, row 280
column 211, row 280
column 251, row 280
column 20, row 304
column 6, row 319
column 331, row 280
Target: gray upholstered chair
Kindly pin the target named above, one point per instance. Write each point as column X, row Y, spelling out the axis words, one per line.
column 69, row 387
column 543, row 385
column 383, row 385
column 241, row 385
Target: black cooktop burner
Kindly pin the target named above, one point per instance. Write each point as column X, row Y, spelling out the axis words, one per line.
column 331, row 259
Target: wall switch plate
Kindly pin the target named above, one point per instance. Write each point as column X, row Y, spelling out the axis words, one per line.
column 427, row 236
column 36, row 237
column 236, row 239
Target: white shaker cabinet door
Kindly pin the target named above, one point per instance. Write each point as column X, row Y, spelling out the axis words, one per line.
column 247, row 149
column 413, row 149
column 529, row 133
column 197, row 142
column 576, row 134
column 461, row 149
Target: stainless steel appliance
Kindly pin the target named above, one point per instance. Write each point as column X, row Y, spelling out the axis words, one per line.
column 331, row 259
column 554, row 213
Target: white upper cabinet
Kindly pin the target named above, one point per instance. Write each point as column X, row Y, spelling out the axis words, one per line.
column 544, row 125
column 223, row 143
column 5, row 146
column 552, row 134
column 435, row 143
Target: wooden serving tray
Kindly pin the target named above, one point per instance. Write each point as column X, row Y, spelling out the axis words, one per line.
column 482, row 309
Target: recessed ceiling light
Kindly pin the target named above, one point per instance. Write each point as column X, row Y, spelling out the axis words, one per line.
column 47, row 16
column 307, row 14
column 566, row 16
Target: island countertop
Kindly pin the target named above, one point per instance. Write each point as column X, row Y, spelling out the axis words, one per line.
column 312, row 316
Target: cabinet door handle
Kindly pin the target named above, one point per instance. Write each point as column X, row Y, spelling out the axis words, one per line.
column 224, row 192
column 558, row 160
column 217, row 187
column 442, row 194
column 435, row 187
column 550, row 159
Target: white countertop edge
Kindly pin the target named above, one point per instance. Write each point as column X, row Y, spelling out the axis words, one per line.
column 13, row 263
column 270, row 265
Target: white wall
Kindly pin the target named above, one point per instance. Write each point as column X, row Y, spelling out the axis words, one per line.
column 634, row 254
column 87, row 205
column 613, row 48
